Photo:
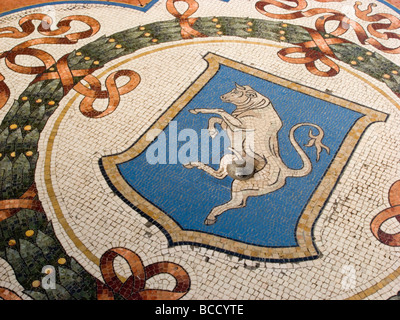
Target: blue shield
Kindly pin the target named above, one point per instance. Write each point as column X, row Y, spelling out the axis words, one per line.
column 274, row 227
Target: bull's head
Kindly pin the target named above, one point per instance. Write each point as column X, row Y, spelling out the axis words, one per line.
column 242, row 95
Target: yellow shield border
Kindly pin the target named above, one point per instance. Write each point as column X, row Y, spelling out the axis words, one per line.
column 306, row 249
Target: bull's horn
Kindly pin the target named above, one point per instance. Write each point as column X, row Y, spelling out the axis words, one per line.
column 240, row 87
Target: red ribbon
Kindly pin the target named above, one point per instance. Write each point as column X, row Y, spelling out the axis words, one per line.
column 25, row 48
column 112, row 93
column 8, row 208
column 185, row 21
column 344, row 24
column 134, row 287
column 7, row 294
column 392, row 240
column 311, row 55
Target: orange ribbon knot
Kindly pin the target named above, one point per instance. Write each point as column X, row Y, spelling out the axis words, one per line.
column 134, row 287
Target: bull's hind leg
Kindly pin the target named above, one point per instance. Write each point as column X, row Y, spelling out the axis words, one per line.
column 238, row 200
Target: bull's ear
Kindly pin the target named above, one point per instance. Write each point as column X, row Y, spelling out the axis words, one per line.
column 240, row 87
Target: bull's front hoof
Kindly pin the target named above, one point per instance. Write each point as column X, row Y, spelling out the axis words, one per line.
column 210, row 222
column 188, row 165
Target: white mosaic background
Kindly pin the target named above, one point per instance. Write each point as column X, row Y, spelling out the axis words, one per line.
column 101, row 220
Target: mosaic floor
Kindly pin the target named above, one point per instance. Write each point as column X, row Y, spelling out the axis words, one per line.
column 200, row 150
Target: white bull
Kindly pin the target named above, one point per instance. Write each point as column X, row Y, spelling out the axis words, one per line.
column 256, row 166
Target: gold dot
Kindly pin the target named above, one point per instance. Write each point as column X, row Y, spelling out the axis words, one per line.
column 249, row 30
column 1, row 155
column 395, row 72
column 62, row 261
column 386, row 76
column 52, row 69
column 284, row 25
column 36, row 283
column 360, row 58
column 147, row 34
column 39, row 101
column 29, row 233
column 250, row 24
column 28, row 128
column 142, row 28
column 369, row 53
column 12, row 242
column 220, row 32
column 111, row 40
column 13, row 126
column 96, row 63
column 52, row 103
column 24, row 98
column 353, row 62
column 282, row 32
column 154, row 40
column 79, row 53
column 218, row 26
column 214, row 20
column 327, row 35
column 87, row 58
column 12, row 154
column 29, row 153
column 282, row 38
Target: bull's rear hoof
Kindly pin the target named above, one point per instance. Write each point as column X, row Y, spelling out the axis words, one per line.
column 210, row 222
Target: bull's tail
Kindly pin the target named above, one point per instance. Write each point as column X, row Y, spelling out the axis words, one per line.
column 314, row 141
